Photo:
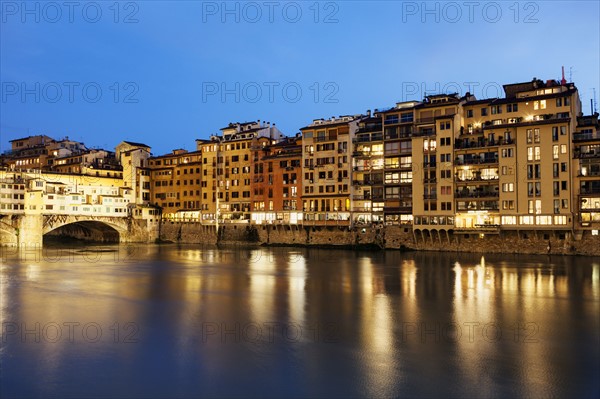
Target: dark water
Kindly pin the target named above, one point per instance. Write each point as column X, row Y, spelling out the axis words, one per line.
column 167, row 321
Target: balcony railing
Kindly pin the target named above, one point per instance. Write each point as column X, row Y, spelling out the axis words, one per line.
column 586, row 136
column 479, row 228
column 465, row 133
column 465, row 144
column 370, row 128
column 398, row 135
column 476, row 161
column 326, row 138
column 589, row 173
column 590, row 154
column 476, row 194
column 368, row 138
column 493, row 179
column 585, row 191
column 424, row 133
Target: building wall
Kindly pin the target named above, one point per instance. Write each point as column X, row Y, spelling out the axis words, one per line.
column 327, row 197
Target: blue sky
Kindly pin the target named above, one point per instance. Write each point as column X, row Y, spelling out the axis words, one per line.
column 167, row 73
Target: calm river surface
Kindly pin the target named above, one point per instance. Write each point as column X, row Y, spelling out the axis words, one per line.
column 169, row 321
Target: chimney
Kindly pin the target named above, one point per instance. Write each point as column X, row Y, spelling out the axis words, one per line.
column 563, row 81
column 369, row 113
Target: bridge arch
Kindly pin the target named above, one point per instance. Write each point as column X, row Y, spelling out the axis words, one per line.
column 8, row 234
column 100, row 229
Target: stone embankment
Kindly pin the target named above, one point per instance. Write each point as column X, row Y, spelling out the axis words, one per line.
column 380, row 237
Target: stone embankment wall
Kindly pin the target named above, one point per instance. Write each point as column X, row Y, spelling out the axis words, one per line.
column 388, row 237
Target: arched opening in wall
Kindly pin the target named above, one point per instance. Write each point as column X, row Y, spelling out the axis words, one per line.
column 85, row 231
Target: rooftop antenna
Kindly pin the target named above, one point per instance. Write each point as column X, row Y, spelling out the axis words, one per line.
column 594, row 103
column 571, row 74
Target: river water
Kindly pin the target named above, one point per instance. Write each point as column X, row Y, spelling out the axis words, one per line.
column 187, row 321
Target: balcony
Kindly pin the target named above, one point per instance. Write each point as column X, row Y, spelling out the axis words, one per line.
column 399, row 209
column 398, row 135
column 477, row 206
column 422, row 133
column 478, row 179
column 583, row 155
column 465, row 134
column 480, row 143
column 588, row 173
column 586, row 136
column 476, row 194
column 479, row 229
column 370, row 128
column 326, row 138
column 365, row 138
column 476, row 161
column 588, row 191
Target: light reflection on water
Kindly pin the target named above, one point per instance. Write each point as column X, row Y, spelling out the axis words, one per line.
column 164, row 321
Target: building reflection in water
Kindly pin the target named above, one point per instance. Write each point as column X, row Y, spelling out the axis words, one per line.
column 403, row 323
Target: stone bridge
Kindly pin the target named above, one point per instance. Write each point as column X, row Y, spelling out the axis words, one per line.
column 29, row 230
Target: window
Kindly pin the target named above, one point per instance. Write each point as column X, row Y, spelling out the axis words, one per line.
column 536, row 135
column 555, row 152
column 496, row 109
column 533, row 171
column 484, row 112
column 469, row 113
column 563, row 148
column 508, row 204
column 392, row 192
column 555, row 170
column 554, row 133
column 534, row 206
column 508, row 187
column 512, row 107
column 507, row 152
column 509, row 220
column 539, row 104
